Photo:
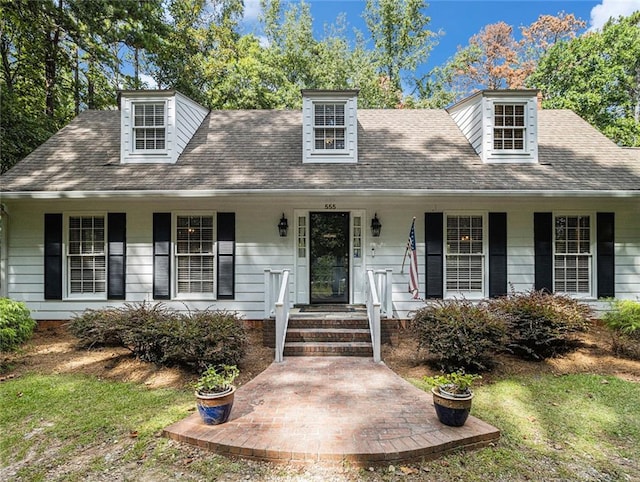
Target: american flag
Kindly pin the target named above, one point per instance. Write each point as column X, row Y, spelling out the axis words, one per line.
column 414, row 287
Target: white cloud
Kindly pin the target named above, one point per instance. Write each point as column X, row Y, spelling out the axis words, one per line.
column 149, row 82
column 264, row 41
column 600, row 14
column 251, row 10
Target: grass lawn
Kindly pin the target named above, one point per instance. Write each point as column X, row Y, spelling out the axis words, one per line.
column 76, row 427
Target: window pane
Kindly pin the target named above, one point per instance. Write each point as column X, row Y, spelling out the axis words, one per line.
column 195, row 260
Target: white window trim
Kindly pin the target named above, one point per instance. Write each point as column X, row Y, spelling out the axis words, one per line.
column 592, row 255
column 345, row 126
column 149, row 152
column 470, row 295
column 527, row 155
column 347, row 155
column 66, row 275
column 174, row 258
column 510, row 152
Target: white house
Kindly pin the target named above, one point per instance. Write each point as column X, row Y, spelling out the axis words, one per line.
column 165, row 200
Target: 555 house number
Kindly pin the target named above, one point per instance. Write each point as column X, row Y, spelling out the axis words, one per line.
column 330, row 206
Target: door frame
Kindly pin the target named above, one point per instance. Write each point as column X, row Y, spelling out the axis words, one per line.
column 357, row 254
column 348, row 247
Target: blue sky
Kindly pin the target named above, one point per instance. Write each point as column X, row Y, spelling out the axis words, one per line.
column 460, row 19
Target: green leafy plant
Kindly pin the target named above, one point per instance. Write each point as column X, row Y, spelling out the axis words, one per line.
column 216, row 379
column 623, row 319
column 540, row 324
column 454, row 382
column 458, row 334
column 16, row 324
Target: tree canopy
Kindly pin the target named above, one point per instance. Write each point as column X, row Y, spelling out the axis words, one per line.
column 59, row 57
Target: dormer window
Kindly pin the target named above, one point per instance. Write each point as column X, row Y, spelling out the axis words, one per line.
column 329, row 126
column 156, row 125
column 509, row 126
column 500, row 125
column 149, row 126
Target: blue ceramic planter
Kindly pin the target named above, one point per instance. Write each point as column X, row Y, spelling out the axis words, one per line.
column 215, row 409
column 452, row 411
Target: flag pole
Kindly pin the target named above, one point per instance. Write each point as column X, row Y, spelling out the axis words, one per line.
column 406, row 250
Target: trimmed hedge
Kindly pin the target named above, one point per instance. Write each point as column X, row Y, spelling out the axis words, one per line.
column 16, row 324
column 158, row 334
column 459, row 334
column 539, row 324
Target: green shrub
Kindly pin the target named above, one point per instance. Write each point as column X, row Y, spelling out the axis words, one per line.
column 16, row 324
column 540, row 324
column 458, row 334
column 624, row 321
column 159, row 334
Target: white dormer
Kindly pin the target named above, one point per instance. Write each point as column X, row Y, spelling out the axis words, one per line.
column 329, row 126
column 156, row 125
column 501, row 125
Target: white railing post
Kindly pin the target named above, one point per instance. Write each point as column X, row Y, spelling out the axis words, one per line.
column 388, row 299
column 373, row 314
column 282, row 315
column 268, row 300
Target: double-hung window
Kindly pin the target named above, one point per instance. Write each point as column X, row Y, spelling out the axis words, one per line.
column 149, row 126
column 465, row 253
column 195, row 255
column 509, row 127
column 86, row 255
column 329, row 126
column 572, row 255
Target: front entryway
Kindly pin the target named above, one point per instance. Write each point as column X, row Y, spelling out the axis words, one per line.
column 329, row 256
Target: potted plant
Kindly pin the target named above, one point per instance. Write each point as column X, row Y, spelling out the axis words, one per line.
column 452, row 396
column 215, row 392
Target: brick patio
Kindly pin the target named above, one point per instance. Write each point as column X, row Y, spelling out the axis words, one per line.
column 310, row 409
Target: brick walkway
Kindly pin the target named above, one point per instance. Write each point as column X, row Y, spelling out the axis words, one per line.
column 310, row 409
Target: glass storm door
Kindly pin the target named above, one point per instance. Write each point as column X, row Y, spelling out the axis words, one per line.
column 329, row 249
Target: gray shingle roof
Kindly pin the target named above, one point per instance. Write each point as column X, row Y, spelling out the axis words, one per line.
column 262, row 150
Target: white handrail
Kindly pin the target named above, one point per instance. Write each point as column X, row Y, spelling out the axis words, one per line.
column 272, row 282
column 373, row 314
column 282, row 315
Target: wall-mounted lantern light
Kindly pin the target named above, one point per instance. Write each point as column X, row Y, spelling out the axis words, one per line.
column 283, row 226
column 376, row 227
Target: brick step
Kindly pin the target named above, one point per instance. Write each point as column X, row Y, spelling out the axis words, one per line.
column 328, row 349
column 328, row 335
column 356, row 323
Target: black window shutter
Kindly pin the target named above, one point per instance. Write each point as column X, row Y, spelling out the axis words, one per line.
column 161, row 256
column 605, row 252
column 226, row 229
column 53, row 256
column 497, row 254
column 434, row 250
column 117, row 252
column 543, row 250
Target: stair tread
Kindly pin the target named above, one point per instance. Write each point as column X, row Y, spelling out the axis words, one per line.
column 328, row 330
column 328, row 343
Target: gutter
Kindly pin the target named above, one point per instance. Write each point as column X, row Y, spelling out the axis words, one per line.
column 164, row 194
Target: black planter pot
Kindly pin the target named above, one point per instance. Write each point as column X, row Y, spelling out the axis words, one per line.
column 452, row 411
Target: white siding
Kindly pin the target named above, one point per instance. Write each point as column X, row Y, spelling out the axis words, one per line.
column 259, row 247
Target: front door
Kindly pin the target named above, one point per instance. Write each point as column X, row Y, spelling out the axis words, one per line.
column 329, row 249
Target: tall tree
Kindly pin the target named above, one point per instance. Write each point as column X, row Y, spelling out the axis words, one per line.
column 495, row 59
column 59, row 56
column 400, row 36
column 597, row 75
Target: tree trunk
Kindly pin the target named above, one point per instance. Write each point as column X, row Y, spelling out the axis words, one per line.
column 50, row 64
